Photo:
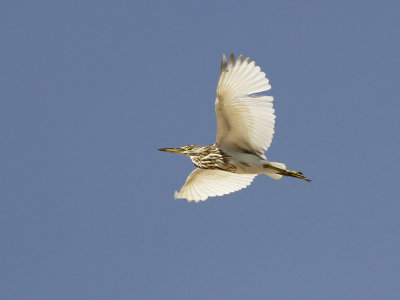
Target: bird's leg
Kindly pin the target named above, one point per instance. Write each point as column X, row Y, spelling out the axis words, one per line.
column 295, row 174
column 288, row 173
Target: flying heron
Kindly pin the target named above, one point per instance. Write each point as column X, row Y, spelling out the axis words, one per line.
column 245, row 127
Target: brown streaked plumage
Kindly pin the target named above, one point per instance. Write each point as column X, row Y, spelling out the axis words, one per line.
column 245, row 122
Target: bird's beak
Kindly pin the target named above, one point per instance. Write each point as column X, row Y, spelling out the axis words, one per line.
column 172, row 150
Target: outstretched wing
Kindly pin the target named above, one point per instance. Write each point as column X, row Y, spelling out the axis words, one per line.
column 204, row 183
column 245, row 121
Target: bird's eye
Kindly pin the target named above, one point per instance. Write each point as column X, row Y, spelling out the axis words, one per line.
column 186, row 148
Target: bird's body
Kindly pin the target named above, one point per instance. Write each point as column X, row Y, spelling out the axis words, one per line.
column 245, row 122
column 212, row 157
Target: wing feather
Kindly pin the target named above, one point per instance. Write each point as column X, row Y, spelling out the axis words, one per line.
column 203, row 183
column 245, row 121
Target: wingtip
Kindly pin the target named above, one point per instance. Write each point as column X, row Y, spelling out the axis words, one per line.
column 224, row 64
column 231, row 59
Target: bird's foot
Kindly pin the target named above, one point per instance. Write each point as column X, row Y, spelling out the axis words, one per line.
column 296, row 175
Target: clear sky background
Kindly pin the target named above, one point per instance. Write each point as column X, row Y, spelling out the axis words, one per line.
column 90, row 89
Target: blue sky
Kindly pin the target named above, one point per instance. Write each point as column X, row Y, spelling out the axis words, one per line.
column 90, row 89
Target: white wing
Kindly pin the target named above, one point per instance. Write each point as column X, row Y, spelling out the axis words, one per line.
column 202, row 184
column 245, row 121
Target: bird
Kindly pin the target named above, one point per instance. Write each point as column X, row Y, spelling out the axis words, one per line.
column 245, row 127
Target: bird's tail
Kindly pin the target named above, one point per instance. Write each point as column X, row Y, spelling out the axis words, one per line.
column 276, row 170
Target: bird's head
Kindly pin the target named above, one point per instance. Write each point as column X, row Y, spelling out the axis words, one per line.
column 188, row 150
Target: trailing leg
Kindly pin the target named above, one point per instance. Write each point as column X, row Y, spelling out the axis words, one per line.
column 280, row 169
column 294, row 174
